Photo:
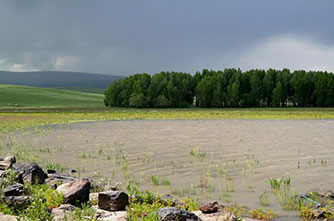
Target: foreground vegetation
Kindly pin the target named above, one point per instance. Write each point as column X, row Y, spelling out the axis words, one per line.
column 144, row 205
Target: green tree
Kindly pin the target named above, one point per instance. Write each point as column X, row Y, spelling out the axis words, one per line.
column 303, row 88
column 269, row 85
column 277, row 94
column 204, row 91
column 138, row 100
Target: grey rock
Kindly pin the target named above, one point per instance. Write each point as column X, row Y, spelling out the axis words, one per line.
column 109, row 215
column 4, row 217
column 329, row 193
column 75, row 191
column 172, row 213
column 14, row 190
column 318, row 214
column 51, row 171
column 7, row 162
column 221, row 215
column 2, row 173
column 17, row 202
column 210, row 207
column 113, row 200
column 10, row 158
column 30, row 173
column 55, row 180
column 63, row 211
column 73, row 171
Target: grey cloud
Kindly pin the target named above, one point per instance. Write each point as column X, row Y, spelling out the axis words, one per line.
column 125, row 37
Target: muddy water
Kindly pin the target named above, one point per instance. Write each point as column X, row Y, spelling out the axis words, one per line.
column 240, row 155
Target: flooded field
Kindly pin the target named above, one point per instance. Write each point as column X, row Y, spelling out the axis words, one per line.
column 226, row 160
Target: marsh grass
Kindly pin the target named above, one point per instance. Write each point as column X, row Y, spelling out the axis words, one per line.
column 183, row 191
column 155, row 180
column 263, row 214
column 264, row 199
column 288, row 199
column 275, row 183
column 197, row 153
column 165, row 181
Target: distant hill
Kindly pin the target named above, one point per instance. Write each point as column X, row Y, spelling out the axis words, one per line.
column 24, row 96
column 76, row 81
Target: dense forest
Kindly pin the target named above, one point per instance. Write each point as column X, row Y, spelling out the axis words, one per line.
column 228, row 88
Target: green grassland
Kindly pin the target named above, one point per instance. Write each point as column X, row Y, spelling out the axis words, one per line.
column 23, row 96
column 12, row 119
column 22, row 107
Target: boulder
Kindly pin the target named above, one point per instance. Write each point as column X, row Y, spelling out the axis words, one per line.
column 7, row 162
column 4, row 217
column 318, row 214
column 76, row 191
column 3, row 173
column 172, row 213
column 30, row 173
column 328, row 194
column 51, row 171
column 63, row 211
column 55, row 180
column 210, row 207
column 101, row 214
column 222, row 215
column 17, row 202
column 113, row 200
column 14, row 190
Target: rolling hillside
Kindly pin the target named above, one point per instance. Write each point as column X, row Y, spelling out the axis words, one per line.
column 75, row 81
column 25, row 96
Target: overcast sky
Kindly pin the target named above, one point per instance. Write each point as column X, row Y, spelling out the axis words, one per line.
column 124, row 37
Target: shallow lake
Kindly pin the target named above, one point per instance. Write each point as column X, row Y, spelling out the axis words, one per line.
column 226, row 160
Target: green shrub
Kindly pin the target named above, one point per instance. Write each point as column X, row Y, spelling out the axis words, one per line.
column 83, row 212
column 144, row 205
column 6, row 210
column 38, row 209
column 52, row 197
column 10, row 179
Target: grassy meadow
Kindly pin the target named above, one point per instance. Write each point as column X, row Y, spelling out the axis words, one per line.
column 38, row 116
column 14, row 96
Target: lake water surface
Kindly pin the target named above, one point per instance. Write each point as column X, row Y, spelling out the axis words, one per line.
column 235, row 158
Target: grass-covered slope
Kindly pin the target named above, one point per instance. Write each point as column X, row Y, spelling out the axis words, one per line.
column 73, row 81
column 24, row 96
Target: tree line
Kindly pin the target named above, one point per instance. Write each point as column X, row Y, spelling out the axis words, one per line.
column 227, row 88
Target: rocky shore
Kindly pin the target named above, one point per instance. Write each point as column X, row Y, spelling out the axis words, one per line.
column 29, row 192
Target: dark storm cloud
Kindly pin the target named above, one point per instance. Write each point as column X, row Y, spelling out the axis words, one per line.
column 125, row 37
